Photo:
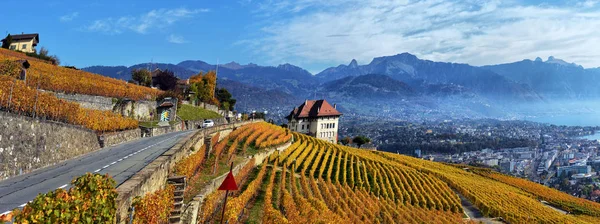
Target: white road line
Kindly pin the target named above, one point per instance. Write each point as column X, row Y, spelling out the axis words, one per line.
column 120, row 160
column 23, row 205
column 63, row 186
column 104, row 167
column 96, row 171
column 113, row 163
column 5, row 213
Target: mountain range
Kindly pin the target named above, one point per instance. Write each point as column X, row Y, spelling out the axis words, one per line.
column 400, row 82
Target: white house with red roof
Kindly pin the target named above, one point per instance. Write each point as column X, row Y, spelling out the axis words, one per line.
column 316, row 118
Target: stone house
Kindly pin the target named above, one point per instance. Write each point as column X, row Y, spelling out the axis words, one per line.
column 316, row 118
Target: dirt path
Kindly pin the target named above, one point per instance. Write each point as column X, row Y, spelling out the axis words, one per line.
column 473, row 213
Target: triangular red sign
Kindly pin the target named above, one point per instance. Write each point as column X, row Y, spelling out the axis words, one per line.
column 229, row 183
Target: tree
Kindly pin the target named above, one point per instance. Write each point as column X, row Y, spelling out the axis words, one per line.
column 142, row 76
column 43, row 52
column 361, row 140
column 346, row 140
column 204, row 87
column 55, row 60
column 166, row 80
column 224, row 98
column 7, row 41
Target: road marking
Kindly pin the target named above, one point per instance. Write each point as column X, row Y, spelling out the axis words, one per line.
column 120, row 160
column 63, row 186
column 113, row 163
column 5, row 213
column 98, row 170
column 23, row 205
column 104, row 167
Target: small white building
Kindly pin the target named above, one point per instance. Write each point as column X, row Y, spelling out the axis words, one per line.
column 24, row 42
column 316, row 118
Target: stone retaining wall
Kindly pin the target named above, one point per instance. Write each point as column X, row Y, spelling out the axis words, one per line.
column 27, row 144
column 154, row 176
column 191, row 210
column 116, row 138
column 140, row 110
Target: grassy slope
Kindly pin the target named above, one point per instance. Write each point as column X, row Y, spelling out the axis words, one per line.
column 191, row 113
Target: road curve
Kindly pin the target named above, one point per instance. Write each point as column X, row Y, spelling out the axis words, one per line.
column 120, row 162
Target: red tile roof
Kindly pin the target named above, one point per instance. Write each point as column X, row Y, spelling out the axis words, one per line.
column 313, row 109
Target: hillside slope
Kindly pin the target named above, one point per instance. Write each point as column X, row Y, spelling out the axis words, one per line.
column 313, row 181
column 60, row 79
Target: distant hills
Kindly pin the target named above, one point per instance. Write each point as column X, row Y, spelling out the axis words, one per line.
column 398, row 81
column 553, row 78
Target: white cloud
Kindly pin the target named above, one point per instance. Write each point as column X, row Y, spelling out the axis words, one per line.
column 176, row 39
column 475, row 32
column 69, row 17
column 155, row 19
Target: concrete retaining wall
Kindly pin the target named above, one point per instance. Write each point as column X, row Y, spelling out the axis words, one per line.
column 27, row 144
column 154, row 176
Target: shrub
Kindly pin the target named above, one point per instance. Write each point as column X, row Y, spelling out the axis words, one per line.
column 90, row 200
column 154, row 207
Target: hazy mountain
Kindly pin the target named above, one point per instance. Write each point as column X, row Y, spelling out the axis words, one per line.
column 286, row 78
column 412, row 70
column 252, row 98
column 124, row 73
column 368, row 87
column 553, row 78
column 117, row 72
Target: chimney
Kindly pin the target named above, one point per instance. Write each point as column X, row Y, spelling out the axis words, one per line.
column 335, row 106
column 305, row 101
column 318, row 109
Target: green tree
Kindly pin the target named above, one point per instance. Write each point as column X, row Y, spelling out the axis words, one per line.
column 361, row 140
column 7, row 41
column 346, row 140
column 224, row 98
column 166, row 80
column 141, row 76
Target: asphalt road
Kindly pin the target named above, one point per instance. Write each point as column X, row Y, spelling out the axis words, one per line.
column 120, row 162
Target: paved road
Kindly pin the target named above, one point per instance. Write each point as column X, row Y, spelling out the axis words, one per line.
column 120, row 161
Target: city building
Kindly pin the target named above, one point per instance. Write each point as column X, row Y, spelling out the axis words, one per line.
column 316, row 118
column 507, row 166
column 570, row 170
column 24, row 42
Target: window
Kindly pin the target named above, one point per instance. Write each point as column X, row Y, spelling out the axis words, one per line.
column 308, row 126
column 333, row 125
column 302, row 127
column 24, row 46
column 12, row 47
column 321, row 126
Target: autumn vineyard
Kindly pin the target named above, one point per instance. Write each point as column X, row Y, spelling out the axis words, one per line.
column 59, row 79
column 313, row 181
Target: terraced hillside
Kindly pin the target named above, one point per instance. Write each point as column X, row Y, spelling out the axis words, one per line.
column 317, row 182
column 59, row 79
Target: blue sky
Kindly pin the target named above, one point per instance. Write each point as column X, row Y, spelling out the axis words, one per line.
column 312, row 34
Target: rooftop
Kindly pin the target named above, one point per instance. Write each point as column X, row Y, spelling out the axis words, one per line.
column 313, row 109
